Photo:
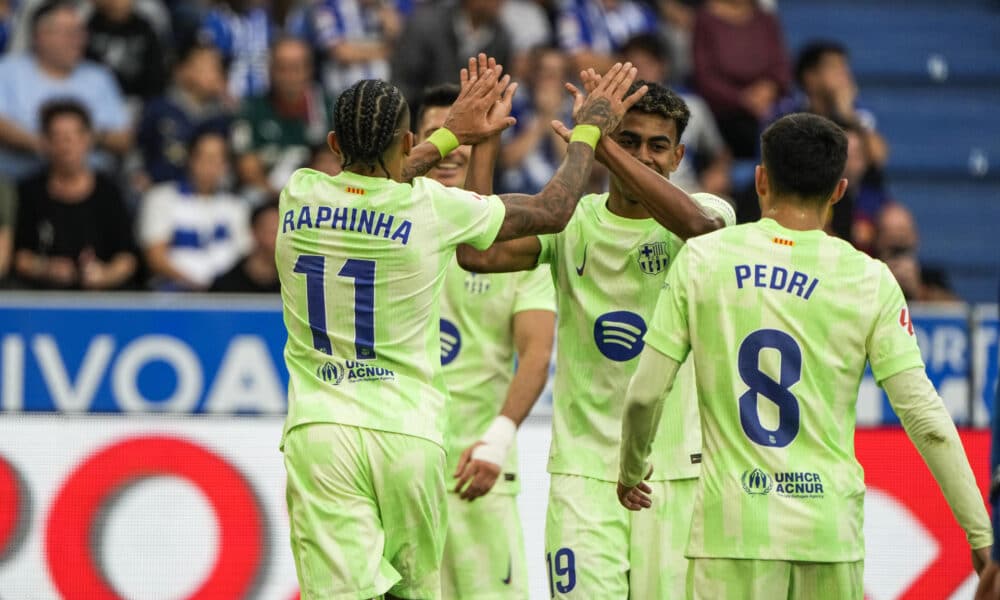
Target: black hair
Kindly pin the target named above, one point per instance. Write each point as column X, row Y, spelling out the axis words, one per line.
column 367, row 118
column 199, row 136
column 651, row 44
column 63, row 106
column 442, row 95
column 804, row 155
column 813, row 53
column 192, row 49
column 48, row 8
column 662, row 102
column 270, row 204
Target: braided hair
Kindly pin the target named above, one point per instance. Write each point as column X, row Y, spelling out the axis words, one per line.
column 368, row 117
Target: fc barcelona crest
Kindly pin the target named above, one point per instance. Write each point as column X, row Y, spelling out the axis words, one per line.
column 653, row 258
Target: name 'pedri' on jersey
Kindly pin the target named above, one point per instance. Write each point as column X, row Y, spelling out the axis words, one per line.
column 780, row 324
column 362, row 263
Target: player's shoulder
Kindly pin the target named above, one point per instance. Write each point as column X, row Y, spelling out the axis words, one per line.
column 589, row 207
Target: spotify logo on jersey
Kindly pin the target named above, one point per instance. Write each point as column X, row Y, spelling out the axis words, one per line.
column 618, row 335
column 451, row 341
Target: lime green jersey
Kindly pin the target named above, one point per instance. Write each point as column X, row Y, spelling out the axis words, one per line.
column 477, row 352
column 362, row 263
column 608, row 271
column 780, row 324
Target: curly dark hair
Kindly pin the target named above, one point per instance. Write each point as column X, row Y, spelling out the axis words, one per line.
column 369, row 116
column 663, row 102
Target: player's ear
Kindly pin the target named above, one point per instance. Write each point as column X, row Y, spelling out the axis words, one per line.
column 760, row 181
column 678, row 156
column 838, row 192
column 331, row 140
column 407, row 143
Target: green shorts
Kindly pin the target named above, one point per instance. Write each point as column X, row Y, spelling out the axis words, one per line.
column 595, row 548
column 740, row 579
column 484, row 550
column 367, row 512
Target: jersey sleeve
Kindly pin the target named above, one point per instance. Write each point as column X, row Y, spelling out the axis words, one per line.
column 891, row 345
column 466, row 217
column 668, row 329
column 717, row 206
column 547, row 255
column 535, row 291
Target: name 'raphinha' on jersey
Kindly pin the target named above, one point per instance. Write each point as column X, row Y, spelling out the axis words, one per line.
column 359, row 220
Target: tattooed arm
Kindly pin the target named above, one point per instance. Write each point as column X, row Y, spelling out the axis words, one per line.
column 550, row 209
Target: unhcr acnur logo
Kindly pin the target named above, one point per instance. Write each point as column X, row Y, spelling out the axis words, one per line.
column 756, row 482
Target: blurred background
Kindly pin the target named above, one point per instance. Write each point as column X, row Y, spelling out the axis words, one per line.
column 142, row 147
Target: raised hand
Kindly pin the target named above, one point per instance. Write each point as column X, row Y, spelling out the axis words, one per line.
column 483, row 105
column 606, row 104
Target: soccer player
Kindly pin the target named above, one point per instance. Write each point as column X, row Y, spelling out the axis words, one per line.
column 608, row 266
column 780, row 319
column 361, row 258
column 485, row 319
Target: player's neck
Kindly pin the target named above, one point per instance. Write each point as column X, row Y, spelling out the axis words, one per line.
column 621, row 207
column 796, row 216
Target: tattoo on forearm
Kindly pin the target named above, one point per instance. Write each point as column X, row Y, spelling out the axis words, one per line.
column 420, row 163
column 550, row 209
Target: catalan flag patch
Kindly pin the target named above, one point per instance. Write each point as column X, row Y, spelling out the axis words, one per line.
column 783, row 241
column 355, row 190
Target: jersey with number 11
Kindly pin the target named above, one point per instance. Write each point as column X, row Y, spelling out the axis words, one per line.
column 780, row 324
column 361, row 262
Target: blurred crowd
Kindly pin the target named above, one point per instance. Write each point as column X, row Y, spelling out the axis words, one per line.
column 143, row 142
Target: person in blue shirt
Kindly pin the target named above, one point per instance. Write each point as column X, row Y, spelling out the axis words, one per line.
column 242, row 30
column 55, row 68
column 195, row 102
column 593, row 31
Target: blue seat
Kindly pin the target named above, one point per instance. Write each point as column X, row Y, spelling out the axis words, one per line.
column 959, row 223
column 897, row 41
column 944, row 130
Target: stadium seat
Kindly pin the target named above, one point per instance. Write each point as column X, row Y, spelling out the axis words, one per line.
column 957, row 219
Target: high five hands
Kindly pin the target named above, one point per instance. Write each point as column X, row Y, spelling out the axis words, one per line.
column 484, row 102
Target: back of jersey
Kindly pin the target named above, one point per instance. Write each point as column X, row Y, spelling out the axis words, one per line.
column 361, row 262
column 781, row 323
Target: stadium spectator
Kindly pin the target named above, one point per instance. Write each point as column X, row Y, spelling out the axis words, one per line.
column 898, row 244
column 123, row 40
column 242, row 30
column 153, row 11
column 706, row 162
column 191, row 231
column 529, row 27
column 594, row 31
column 256, row 272
column 73, row 230
column 827, row 88
column 275, row 131
column 532, row 151
column 741, row 68
column 8, row 215
column 324, row 160
column 195, row 101
column 865, row 196
column 354, row 39
column 55, row 68
column 438, row 40
column 677, row 24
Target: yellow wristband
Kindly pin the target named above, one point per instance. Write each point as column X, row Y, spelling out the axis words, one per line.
column 444, row 140
column 588, row 134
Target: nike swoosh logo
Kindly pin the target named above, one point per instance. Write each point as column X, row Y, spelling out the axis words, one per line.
column 507, row 580
column 579, row 270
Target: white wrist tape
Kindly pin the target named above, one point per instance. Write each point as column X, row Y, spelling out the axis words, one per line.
column 496, row 442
